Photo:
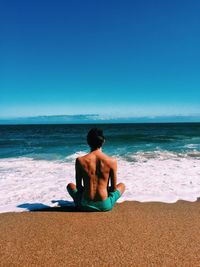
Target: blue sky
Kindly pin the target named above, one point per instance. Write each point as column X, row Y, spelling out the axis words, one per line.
column 116, row 58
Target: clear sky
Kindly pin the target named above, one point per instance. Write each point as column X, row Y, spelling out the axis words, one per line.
column 124, row 58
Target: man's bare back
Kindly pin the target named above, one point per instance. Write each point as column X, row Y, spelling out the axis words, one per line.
column 94, row 172
column 96, row 168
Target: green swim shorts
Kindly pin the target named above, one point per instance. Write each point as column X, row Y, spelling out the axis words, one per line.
column 87, row 205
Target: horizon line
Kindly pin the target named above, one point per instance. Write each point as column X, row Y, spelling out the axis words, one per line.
column 98, row 119
column 106, row 116
column 102, row 123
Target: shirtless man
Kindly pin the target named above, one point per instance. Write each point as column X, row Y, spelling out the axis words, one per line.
column 95, row 169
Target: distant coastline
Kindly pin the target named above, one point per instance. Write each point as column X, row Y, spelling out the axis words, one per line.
column 97, row 119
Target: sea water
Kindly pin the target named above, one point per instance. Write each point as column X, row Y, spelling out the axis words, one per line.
column 157, row 162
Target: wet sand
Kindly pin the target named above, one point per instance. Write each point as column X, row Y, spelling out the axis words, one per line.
column 133, row 234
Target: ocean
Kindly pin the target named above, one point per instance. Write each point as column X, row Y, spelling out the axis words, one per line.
column 157, row 162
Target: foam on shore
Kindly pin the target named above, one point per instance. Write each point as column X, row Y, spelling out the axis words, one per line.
column 166, row 177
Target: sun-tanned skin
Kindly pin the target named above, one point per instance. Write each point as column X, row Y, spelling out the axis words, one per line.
column 96, row 169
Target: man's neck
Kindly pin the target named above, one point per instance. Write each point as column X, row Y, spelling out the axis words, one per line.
column 96, row 149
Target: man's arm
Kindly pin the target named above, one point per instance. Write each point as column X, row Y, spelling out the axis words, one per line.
column 113, row 176
column 78, row 176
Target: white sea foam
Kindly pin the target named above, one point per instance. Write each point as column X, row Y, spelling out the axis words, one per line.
column 30, row 184
column 75, row 155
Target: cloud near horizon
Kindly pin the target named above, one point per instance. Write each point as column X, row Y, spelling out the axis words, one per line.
column 97, row 118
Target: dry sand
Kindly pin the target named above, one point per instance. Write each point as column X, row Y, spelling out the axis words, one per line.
column 133, row 234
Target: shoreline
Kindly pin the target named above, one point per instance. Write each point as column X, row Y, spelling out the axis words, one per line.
column 148, row 177
column 132, row 234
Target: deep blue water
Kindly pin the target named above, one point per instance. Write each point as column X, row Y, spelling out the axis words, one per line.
column 54, row 142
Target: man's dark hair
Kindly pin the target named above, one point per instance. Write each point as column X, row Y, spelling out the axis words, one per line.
column 95, row 138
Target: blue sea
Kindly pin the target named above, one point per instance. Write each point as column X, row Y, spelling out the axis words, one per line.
column 55, row 142
column 158, row 162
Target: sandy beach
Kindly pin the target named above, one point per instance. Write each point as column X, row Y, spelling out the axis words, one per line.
column 132, row 234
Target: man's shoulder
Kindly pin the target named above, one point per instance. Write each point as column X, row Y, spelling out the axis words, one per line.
column 113, row 161
column 110, row 159
column 81, row 159
column 105, row 157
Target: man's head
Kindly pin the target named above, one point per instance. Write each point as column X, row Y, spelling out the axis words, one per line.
column 95, row 138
